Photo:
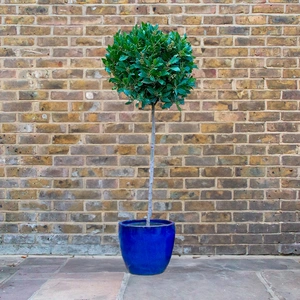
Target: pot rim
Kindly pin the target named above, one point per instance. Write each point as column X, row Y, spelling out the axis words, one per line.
column 153, row 223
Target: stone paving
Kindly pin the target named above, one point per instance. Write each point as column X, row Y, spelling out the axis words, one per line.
column 186, row 278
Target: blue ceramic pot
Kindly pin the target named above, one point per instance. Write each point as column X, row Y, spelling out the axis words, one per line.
column 146, row 250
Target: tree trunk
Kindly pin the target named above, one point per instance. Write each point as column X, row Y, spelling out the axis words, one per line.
column 151, row 170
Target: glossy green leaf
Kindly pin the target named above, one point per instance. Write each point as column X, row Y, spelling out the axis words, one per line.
column 176, row 69
column 123, row 57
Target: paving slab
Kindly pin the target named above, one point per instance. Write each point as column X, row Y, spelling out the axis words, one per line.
column 8, row 267
column 191, row 286
column 33, row 272
column 83, row 286
column 20, row 289
column 204, row 264
column 286, row 285
column 10, row 261
column 94, row 264
column 6, row 273
column 44, row 261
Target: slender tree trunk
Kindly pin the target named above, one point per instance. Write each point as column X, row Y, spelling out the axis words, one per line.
column 151, row 170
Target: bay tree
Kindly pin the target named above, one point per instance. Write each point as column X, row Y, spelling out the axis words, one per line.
column 151, row 67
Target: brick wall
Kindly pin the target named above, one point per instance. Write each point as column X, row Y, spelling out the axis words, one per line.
column 74, row 158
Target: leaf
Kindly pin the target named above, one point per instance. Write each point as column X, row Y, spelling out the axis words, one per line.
column 123, row 57
column 174, row 60
column 164, row 73
column 143, row 74
column 151, row 91
column 167, row 105
column 126, row 92
column 181, row 91
column 113, row 80
column 147, row 81
column 176, row 69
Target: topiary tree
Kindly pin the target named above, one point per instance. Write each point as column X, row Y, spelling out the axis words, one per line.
column 150, row 66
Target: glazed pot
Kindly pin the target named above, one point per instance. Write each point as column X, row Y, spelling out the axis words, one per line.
column 146, row 250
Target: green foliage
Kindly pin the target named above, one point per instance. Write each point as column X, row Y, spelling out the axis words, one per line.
column 148, row 66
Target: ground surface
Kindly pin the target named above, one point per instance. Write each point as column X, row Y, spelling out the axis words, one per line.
column 187, row 278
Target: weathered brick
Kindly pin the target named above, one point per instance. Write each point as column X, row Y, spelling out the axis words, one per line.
column 215, row 217
column 282, row 127
column 68, row 161
column 7, row 10
column 67, row 228
column 36, row 160
column 67, row 183
column 250, row 171
column 199, row 205
column 231, row 228
column 218, row 41
column 87, row 172
column 53, row 84
column 84, row 85
column 199, row 161
column 66, row 117
column 50, row 128
column 216, row 195
column 8, row 30
column 264, row 160
column 7, row 139
column 228, row 205
column 35, row 228
column 290, row 183
column 277, row 41
column 199, row 229
column 234, row 30
column 284, row 195
column 248, row 217
column 51, row 41
column 101, row 139
column 264, row 138
column 166, row 206
column 101, row 160
column 51, row 20
column 184, row 172
column 268, row 94
column 232, row 183
column 217, row 172
column 16, row 85
column 63, row 95
column 198, row 139
column 66, row 139
column 217, row 128
column 33, row 10
column 14, row 150
column 249, row 194
column 9, row 41
column 247, row 239
column 34, row 139
column 233, row 9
